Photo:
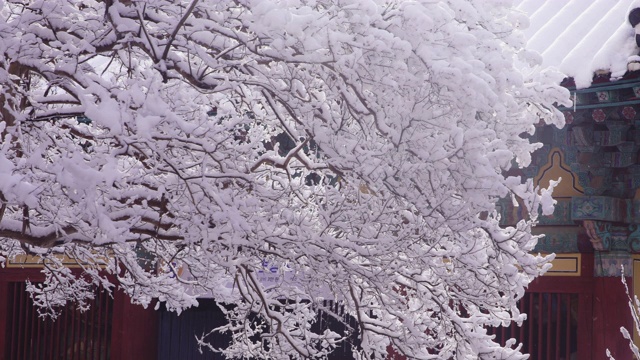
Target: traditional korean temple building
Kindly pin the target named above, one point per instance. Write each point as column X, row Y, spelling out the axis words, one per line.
column 577, row 309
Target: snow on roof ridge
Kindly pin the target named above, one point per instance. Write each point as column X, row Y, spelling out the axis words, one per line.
column 529, row 6
column 581, row 37
column 580, row 59
column 543, row 12
column 614, row 55
column 543, row 39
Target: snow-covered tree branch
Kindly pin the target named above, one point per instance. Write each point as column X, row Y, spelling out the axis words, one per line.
column 358, row 146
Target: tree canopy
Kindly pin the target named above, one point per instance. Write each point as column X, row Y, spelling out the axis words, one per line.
column 357, row 146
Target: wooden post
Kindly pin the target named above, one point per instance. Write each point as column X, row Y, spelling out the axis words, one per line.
column 610, row 312
column 585, row 327
column 134, row 332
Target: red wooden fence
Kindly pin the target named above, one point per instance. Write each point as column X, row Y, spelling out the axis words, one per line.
column 74, row 335
column 112, row 328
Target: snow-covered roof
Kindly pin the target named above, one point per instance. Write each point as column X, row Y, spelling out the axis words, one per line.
column 581, row 37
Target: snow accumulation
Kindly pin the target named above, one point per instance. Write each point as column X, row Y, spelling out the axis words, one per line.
column 581, row 37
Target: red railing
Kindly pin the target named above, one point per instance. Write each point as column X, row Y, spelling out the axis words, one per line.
column 75, row 335
column 551, row 329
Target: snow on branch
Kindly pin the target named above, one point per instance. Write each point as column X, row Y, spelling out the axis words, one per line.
column 357, row 148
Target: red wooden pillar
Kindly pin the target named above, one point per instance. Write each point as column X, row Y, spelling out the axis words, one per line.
column 585, row 327
column 610, row 312
column 134, row 331
column 585, row 309
column 4, row 311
